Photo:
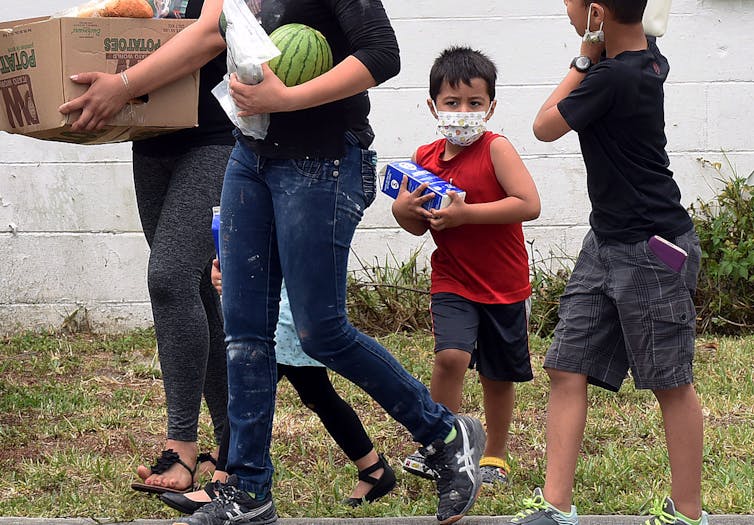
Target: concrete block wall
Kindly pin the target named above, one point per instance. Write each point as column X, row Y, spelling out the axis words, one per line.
column 69, row 231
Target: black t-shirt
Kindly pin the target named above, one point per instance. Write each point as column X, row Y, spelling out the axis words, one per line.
column 618, row 112
column 359, row 28
column 214, row 126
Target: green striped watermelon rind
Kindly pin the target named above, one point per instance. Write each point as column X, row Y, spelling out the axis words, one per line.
column 297, row 42
column 222, row 24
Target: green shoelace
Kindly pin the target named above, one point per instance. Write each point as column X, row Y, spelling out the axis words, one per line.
column 531, row 505
column 660, row 517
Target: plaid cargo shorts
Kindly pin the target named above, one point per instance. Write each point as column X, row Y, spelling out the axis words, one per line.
column 622, row 309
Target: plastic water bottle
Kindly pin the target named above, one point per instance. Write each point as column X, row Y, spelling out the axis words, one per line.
column 216, row 229
column 656, row 15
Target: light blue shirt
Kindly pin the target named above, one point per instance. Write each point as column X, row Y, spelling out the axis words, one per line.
column 288, row 349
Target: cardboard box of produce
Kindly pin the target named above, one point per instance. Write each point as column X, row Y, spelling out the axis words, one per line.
column 37, row 57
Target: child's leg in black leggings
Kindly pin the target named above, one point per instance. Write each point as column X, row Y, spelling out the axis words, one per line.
column 317, row 393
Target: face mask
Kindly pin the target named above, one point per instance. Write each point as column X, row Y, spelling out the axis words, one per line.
column 462, row 128
column 593, row 37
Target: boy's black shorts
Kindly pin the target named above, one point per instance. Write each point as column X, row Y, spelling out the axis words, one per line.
column 494, row 334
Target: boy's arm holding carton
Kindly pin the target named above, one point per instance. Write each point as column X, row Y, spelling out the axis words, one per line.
column 407, row 208
column 520, row 204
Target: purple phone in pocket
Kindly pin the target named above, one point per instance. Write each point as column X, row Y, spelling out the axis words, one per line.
column 667, row 252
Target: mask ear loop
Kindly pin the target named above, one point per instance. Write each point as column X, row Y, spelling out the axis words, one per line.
column 489, row 110
column 437, row 111
column 593, row 37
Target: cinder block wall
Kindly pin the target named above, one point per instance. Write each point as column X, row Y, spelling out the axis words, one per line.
column 69, row 232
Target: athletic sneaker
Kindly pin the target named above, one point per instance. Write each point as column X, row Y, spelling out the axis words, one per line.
column 665, row 514
column 494, row 471
column 414, row 464
column 233, row 506
column 538, row 512
column 457, row 465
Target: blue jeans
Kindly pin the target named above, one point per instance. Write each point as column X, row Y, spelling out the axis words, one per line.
column 295, row 219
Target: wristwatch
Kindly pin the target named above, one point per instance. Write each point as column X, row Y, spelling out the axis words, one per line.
column 582, row 63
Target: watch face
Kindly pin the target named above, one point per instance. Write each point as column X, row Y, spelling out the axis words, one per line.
column 583, row 63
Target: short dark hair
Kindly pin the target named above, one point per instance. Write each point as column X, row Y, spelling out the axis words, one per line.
column 624, row 11
column 461, row 64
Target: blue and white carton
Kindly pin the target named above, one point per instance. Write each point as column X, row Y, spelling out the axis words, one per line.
column 395, row 171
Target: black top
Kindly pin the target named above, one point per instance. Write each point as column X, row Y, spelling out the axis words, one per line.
column 618, row 112
column 214, row 126
column 352, row 27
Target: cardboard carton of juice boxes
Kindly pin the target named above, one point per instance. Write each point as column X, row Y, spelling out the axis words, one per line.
column 395, row 171
column 37, row 57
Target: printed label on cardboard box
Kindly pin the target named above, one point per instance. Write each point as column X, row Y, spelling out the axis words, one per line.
column 37, row 57
column 18, row 99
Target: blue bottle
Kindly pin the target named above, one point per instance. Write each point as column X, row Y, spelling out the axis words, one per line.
column 216, row 229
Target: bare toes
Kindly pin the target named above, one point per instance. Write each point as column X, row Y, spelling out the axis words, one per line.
column 143, row 472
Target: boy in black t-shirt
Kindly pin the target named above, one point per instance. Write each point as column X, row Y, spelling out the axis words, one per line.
column 625, row 307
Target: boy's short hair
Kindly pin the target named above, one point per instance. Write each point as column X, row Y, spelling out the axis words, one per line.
column 461, row 64
column 624, row 11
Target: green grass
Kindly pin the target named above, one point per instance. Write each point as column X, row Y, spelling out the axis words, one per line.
column 78, row 413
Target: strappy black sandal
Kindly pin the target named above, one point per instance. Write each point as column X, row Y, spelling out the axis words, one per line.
column 167, row 459
column 380, row 486
column 205, row 456
column 188, row 506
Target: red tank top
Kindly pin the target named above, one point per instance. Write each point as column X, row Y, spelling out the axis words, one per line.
column 485, row 263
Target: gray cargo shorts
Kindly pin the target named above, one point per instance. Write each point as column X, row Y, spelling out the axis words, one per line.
column 622, row 309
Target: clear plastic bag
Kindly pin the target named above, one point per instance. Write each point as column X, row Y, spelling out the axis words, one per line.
column 248, row 48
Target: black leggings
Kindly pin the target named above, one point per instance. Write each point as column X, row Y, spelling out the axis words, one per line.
column 317, row 393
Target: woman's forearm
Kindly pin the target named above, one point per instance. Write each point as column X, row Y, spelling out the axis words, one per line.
column 183, row 54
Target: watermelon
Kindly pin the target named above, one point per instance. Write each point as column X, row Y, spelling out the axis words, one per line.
column 223, row 24
column 304, row 54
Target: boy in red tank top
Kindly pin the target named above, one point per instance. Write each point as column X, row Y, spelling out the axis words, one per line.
column 480, row 271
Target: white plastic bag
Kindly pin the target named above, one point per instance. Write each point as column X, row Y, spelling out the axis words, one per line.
column 248, row 48
column 656, row 15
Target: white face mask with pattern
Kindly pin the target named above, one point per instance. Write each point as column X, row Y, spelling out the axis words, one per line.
column 462, row 128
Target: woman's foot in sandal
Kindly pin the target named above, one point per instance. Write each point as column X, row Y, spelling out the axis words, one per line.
column 174, row 470
column 190, row 502
column 375, row 480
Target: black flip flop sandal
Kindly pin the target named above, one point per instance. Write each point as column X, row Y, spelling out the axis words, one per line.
column 167, row 459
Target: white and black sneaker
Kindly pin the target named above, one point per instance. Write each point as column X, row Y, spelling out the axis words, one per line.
column 459, row 478
column 415, row 464
column 233, row 506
